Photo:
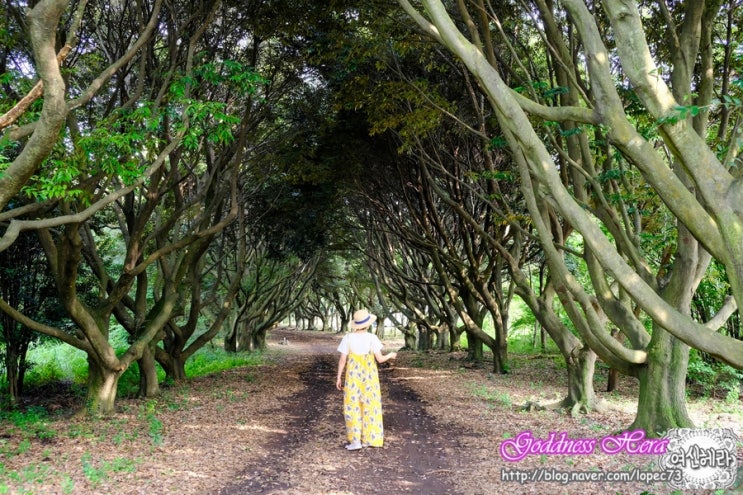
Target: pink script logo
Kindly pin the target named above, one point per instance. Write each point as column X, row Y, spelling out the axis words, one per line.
column 631, row 442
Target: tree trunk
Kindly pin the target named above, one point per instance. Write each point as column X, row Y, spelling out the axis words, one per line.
column 579, row 360
column 500, row 360
column 662, row 401
column 581, row 397
column 102, row 388
column 244, row 338
column 174, row 366
column 410, row 336
column 12, row 372
column 443, row 343
column 230, row 341
column 455, row 337
column 424, row 338
column 613, row 378
column 148, row 382
column 500, row 352
column 22, row 366
column 16, row 352
column 474, row 348
column 258, row 340
column 380, row 329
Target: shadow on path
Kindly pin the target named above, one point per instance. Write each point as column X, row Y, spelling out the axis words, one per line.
column 309, row 458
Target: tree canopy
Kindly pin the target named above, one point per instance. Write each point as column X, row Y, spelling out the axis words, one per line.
column 213, row 168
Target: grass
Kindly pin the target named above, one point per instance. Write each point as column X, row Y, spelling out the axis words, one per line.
column 30, row 428
column 31, row 476
column 29, row 425
column 97, row 471
column 211, row 360
column 56, row 362
column 148, row 413
column 497, row 397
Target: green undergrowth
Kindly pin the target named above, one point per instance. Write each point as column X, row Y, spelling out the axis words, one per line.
column 61, row 363
column 33, row 429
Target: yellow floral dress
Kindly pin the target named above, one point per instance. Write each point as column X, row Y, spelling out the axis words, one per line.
column 362, row 398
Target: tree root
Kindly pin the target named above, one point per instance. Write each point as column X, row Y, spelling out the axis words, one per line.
column 532, row 406
column 575, row 408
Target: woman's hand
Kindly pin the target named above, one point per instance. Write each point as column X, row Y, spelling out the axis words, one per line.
column 341, row 365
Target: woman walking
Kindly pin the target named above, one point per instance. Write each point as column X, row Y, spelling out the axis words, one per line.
column 362, row 398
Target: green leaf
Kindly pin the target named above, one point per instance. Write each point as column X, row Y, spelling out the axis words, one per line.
column 571, row 132
column 559, row 90
column 497, row 142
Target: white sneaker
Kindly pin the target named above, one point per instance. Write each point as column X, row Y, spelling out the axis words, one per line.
column 353, row 446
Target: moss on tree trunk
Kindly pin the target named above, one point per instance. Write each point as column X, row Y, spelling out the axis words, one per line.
column 662, row 400
column 500, row 354
column 581, row 396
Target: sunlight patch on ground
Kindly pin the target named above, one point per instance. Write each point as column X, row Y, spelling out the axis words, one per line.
column 415, row 378
column 422, row 370
column 420, row 375
column 262, row 428
column 405, row 484
column 254, row 427
column 196, row 475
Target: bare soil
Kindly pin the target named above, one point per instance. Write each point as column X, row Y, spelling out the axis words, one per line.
column 277, row 428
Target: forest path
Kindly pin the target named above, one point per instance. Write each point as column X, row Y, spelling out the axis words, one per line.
column 307, row 455
column 276, row 427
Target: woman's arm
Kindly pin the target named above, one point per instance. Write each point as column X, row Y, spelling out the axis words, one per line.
column 386, row 357
column 341, row 365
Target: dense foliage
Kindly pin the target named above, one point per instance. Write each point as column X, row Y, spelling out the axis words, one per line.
column 183, row 172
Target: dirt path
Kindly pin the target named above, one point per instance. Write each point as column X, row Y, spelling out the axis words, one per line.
column 276, row 427
column 308, row 455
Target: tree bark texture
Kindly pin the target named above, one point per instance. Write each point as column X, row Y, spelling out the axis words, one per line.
column 102, row 388
column 662, row 399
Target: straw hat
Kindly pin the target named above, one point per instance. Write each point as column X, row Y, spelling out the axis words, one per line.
column 362, row 319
